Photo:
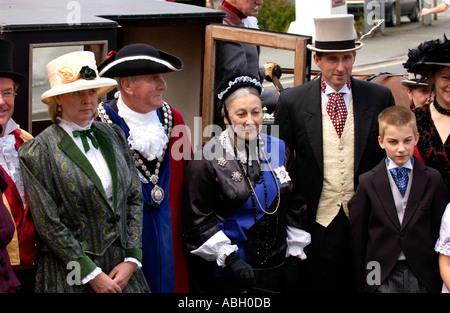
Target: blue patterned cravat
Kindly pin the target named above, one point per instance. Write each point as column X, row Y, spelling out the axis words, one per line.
column 400, row 176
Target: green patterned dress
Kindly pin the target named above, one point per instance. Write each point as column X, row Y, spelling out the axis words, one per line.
column 80, row 227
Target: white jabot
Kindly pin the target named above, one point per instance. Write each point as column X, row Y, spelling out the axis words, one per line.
column 250, row 22
column 9, row 159
column 147, row 135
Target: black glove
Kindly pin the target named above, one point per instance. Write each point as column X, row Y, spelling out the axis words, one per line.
column 292, row 272
column 271, row 69
column 242, row 271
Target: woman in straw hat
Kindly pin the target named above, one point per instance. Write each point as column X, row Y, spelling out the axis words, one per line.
column 432, row 60
column 83, row 189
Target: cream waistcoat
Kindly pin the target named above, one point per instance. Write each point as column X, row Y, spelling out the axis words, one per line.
column 338, row 163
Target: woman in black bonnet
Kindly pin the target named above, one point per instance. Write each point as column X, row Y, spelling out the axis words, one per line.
column 243, row 211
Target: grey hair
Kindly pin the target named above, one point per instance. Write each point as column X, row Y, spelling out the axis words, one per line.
column 134, row 79
column 237, row 94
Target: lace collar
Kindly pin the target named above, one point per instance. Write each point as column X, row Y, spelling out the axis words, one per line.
column 225, row 142
column 70, row 126
column 9, row 158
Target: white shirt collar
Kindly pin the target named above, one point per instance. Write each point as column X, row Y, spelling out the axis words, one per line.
column 11, row 126
column 344, row 89
column 134, row 118
column 147, row 134
column 69, row 126
column 391, row 164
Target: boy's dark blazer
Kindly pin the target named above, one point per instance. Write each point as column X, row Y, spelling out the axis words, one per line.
column 376, row 233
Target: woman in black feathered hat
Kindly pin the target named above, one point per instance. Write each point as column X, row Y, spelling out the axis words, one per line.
column 432, row 60
column 243, row 213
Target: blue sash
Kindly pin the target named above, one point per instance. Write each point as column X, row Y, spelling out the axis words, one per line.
column 237, row 223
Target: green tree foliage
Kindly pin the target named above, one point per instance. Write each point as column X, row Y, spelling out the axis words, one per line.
column 276, row 15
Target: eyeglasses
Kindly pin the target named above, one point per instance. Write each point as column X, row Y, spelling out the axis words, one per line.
column 8, row 95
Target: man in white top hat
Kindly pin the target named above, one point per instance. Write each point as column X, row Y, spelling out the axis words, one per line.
column 331, row 124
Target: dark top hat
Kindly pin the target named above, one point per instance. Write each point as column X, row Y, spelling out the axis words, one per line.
column 6, row 62
column 138, row 59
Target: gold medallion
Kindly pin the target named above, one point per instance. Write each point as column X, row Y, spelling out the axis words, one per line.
column 157, row 194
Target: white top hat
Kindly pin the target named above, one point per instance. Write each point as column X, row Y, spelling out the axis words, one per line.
column 73, row 72
column 335, row 33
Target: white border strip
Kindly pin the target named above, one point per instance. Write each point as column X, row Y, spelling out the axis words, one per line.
column 138, row 57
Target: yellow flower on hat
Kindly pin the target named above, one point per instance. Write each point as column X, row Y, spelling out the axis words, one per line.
column 67, row 72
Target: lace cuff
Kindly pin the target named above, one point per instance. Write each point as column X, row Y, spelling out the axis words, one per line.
column 91, row 275
column 443, row 243
column 130, row 259
column 297, row 239
column 216, row 248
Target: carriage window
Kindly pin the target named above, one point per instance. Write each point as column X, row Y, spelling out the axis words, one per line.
column 40, row 55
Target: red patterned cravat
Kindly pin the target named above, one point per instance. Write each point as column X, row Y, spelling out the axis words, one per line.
column 336, row 109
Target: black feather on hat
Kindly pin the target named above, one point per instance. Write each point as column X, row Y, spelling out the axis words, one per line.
column 428, row 55
column 138, row 59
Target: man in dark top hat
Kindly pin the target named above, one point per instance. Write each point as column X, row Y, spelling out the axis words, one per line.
column 152, row 127
column 24, row 247
column 331, row 124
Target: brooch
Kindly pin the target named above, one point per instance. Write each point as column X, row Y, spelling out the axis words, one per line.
column 221, row 161
column 282, row 174
column 236, row 176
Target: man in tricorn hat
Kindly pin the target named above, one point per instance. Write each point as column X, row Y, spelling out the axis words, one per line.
column 152, row 127
column 24, row 247
column 331, row 124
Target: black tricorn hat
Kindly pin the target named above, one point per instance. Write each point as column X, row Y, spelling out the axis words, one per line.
column 6, row 62
column 138, row 59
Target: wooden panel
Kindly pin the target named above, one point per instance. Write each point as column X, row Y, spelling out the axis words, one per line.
column 275, row 40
